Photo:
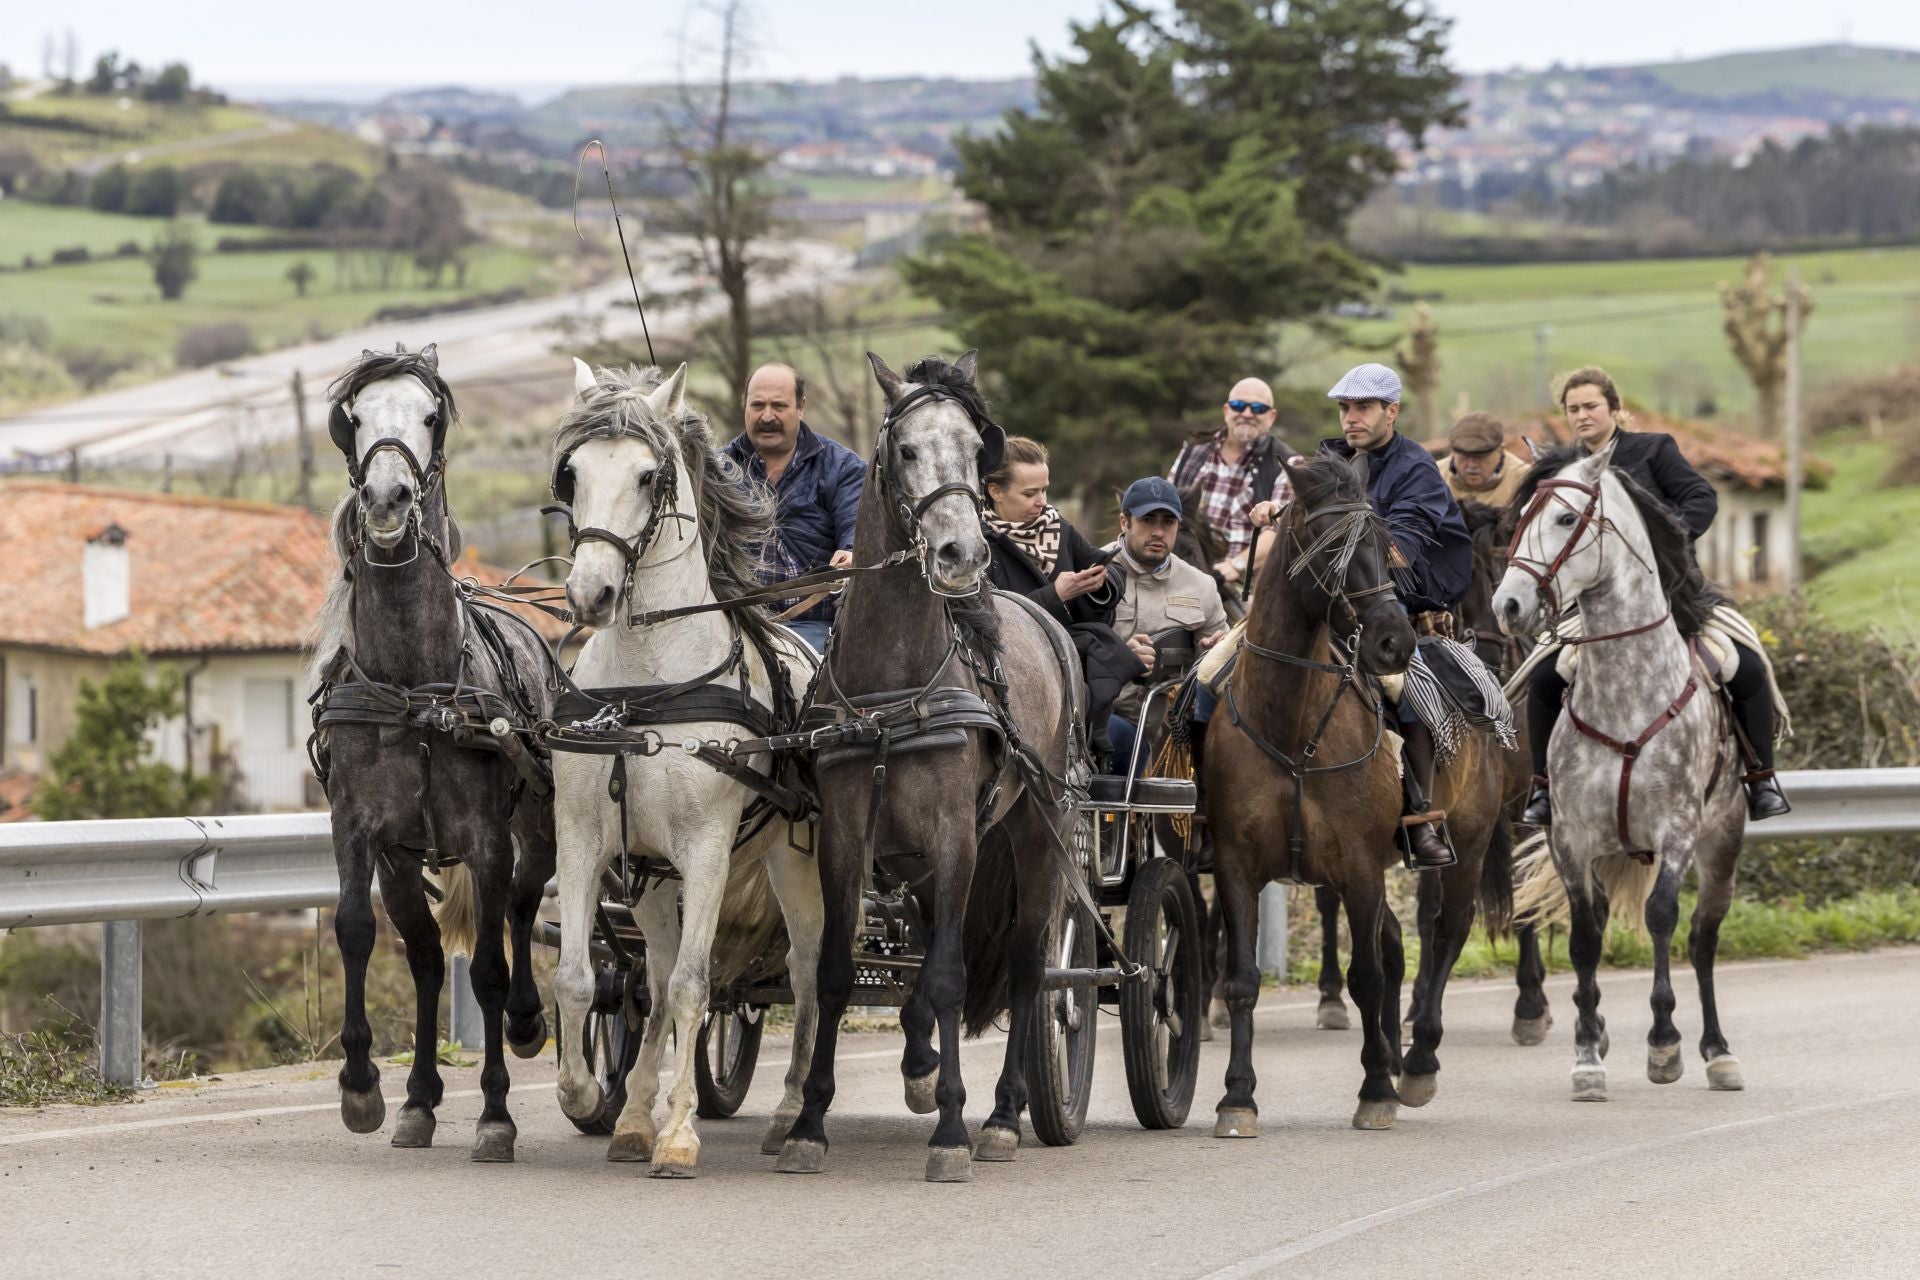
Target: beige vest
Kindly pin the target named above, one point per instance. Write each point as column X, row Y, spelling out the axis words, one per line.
column 1187, row 598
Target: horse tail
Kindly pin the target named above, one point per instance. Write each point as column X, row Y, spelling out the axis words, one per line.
column 457, row 909
column 1496, row 881
column 987, row 938
column 1542, row 899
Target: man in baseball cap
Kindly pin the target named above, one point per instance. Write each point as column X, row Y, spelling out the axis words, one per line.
column 1478, row 467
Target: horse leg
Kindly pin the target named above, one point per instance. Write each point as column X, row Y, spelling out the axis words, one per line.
column 1441, row 939
column 533, row 865
column 842, row 875
column 920, row 1061
column 1531, row 1016
column 1664, row 1063
column 1703, row 940
column 1237, row 902
column 797, row 885
column 1037, row 895
column 491, row 862
column 362, row 1109
column 1332, row 1014
column 1209, row 962
column 702, row 855
column 402, row 889
column 1366, row 907
column 1393, row 973
column 944, row 975
column 1429, row 893
column 634, row 1134
column 579, row 859
column 1587, row 905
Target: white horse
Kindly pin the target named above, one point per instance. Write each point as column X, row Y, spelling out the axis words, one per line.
column 661, row 520
column 1645, row 775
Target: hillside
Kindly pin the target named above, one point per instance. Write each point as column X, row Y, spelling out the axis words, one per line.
column 1815, row 76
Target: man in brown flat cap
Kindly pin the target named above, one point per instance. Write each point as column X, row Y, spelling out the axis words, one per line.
column 1478, row 466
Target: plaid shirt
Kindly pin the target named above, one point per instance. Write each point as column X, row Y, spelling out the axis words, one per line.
column 1226, row 496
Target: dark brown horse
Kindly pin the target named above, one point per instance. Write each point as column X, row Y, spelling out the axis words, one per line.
column 1302, row 785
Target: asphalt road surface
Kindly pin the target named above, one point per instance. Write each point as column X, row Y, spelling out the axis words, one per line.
column 1814, row 1170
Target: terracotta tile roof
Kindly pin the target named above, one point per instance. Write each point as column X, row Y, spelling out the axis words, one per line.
column 1721, row 454
column 16, row 796
column 208, row 575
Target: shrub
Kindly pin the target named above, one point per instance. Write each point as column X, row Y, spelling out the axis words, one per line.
column 156, row 192
column 127, row 249
column 174, row 255
column 108, row 191
column 24, row 330
column 95, row 367
column 1868, row 400
column 212, row 343
column 77, row 253
column 243, row 198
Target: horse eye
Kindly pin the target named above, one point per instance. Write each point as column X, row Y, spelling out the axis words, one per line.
column 906, row 453
column 1565, row 520
column 433, row 419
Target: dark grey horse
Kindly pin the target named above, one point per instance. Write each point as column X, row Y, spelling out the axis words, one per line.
column 963, row 822
column 408, row 662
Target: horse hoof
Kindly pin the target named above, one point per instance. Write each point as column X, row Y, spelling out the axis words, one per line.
column 1236, row 1122
column 920, row 1092
column 676, row 1162
column 949, row 1164
column 1664, row 1063
column 1331, row 1016
column 1724, row 1073
column 801, row 1156
column 996, row 1144
column 414, row 1128
column 1417, row 1090
column 583, row 1102
column 1532, row 1031
column 630, row 1148
column 530, row 1044
column 1376, row 1114
column 493, row 1142
column 1589, row 1084
column 363, row 1112
column 1219, row 1015
column 777, row 1134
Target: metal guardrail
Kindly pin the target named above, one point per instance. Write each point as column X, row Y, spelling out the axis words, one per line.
column 119, row 872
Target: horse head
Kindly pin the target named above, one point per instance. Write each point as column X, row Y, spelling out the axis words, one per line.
column 1337, row 553
column 1556, row 553
column 389, row 419
column 935, row 444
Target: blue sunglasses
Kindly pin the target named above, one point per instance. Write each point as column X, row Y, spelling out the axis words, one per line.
column 1254, row 407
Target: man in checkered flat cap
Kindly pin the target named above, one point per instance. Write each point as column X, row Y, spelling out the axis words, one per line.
column 1433, row 555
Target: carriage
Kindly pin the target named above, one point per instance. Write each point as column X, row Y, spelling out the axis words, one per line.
column 1133, row 851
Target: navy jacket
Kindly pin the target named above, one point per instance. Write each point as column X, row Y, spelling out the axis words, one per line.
column 1405, row 487
column 818, row 497
column 1654, row 460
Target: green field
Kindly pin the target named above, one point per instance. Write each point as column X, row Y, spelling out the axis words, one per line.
column 1843, row 70
column 1864, row 535
column 38, row 229
column 1655, row 325
column 97, row 126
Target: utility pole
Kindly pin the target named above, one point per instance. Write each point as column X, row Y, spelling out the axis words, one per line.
column 305, row 490
column 1792, row 424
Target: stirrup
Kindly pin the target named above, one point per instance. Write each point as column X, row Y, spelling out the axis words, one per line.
column 1539, row 808
column 1765, row 799
column 1435, row 824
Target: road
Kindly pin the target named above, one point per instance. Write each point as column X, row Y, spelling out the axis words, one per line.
column 273, row 127
column 210, row 413
column 1812, row 1171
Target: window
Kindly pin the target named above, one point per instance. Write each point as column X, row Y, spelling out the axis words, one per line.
column 1762, row 567
column 268, row 707
column 24, row 711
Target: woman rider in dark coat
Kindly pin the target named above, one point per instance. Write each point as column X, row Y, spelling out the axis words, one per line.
column 1592, row 405
column 1037, row 554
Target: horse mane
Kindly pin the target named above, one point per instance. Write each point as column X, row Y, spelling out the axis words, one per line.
column 975, row 615
column 1481, row 518
column 735, row 519
column 933, row 371
column 1689, row 594
column 1326, row 479
column 377, row 366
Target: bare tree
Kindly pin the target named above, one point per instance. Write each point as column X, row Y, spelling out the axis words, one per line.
column 70, row 58
column 1756, row 326
column 729, row 207
column 1420, row 366
column 826, row 343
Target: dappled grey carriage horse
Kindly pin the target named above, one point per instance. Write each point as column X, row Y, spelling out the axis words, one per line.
column 1646, row 773
column 416, row 677
column 974, row 814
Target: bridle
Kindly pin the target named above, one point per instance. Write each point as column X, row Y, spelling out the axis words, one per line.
column 906, row 509
column 1589, row 518
column 342, row 428
column 663, row 492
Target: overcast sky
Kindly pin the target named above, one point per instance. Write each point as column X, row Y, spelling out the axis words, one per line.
column 539, row 45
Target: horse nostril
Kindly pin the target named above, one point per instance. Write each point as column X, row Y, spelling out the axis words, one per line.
column 402, row 496
column 603, row 601
column 949, row 553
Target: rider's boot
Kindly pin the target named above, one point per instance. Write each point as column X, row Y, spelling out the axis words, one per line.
column 1755, row 714
column 1544, row 693
column 1426, row 850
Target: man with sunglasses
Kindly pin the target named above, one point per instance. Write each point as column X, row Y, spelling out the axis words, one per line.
column 1236, row 467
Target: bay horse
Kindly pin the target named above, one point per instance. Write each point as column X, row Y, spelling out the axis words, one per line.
column 967, row 820
column 662, row 521
column 412, row 673
column 1646, row 774
column 1302, row 786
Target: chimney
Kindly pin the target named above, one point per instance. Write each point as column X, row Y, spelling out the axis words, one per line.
column 107, row 578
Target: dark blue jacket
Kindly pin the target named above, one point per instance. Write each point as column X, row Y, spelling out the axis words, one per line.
column 1406, row 489
column 818, row 497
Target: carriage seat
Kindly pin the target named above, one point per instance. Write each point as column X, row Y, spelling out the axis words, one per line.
column 1172, row 795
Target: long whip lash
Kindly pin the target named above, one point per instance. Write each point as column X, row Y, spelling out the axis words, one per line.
column 618, row 230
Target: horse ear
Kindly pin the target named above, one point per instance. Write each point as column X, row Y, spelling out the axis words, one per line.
column 891, row 383
column 430, row 356
column 1358, row 465
column 583, row 380
column 967, row 364
column 399, row 348
column 1602, row 459
column 669, row 399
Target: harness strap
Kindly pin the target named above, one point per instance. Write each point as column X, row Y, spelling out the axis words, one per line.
column 1630, row 752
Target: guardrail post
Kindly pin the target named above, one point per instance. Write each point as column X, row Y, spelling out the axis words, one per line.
column 120, row 1046
column 1271, row 953
column 463, row 1013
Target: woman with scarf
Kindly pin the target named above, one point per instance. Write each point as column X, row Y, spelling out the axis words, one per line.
column 1038, row 554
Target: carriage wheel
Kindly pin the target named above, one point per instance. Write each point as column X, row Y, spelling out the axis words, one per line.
column 1059, row 1052
column 1161, row 1013
column 611, row 1049
column 724, row 1058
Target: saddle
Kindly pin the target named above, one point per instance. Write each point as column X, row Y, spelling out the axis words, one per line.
column 1715, row 657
